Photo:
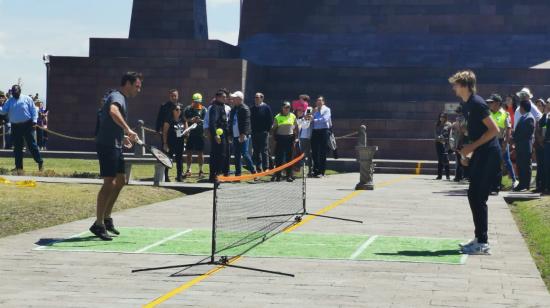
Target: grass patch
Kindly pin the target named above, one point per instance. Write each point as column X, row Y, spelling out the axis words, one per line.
column 26, row 209
column 89, row 168
column 533, row 218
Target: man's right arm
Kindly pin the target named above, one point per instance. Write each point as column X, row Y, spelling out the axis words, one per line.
column 5, row 108
column 160, row 120
column 117, row 117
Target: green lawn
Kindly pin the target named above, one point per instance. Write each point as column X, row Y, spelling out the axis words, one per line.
column 533, row 218
column 26, row 209
column 90, row 169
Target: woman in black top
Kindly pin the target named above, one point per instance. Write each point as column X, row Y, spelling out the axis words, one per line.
column 173, row 139
column 442, row 134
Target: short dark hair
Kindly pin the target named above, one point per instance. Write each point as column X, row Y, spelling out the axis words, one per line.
column 465, row 78
column 525, row 105
column 130, row 77
column 224, row 90
column 221, row 92
column 305, row 97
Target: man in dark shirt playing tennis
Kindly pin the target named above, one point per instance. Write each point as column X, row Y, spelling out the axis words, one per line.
column 485, row 157
column 113, row 134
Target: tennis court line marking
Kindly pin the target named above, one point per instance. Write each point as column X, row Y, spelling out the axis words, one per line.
column 195, row 281
column 144, row 249
column 187, row 285
column 364, row 246
column 61, row 240
column 344, row 200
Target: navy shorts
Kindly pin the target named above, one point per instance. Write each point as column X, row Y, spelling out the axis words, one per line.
column 195, row 143
column 111, row 161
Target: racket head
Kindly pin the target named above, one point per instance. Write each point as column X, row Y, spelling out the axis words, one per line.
column 161, row 157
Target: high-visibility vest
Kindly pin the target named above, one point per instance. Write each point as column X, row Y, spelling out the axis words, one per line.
column 500, row 117
column 289, row 119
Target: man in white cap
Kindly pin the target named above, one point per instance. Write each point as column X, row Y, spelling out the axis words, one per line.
column 240, row 130
column 526, row 95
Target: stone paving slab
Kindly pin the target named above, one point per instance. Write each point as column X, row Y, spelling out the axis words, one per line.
column 406, row 206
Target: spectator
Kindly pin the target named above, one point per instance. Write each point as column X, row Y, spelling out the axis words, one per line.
column 42, row 135
column 164, row 115
column 523, row 138
column 525, row 94
column 261, row 122
column 240, row 130
column 485, row 157
column 511, row 106
column 538, row 147
column 302, row 103
column 305, row 130
column 23, row 116
column 544, row 124
column 504, row 124
column 322, row 123
column 285, row 133
column 442, row 135
column 113, row 134
column 173, row 140
column 217, row 119
column 195, row 114
column 458, row 132
column 3, row 120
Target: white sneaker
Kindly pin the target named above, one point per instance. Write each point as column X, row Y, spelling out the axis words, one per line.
column 515, row 184
column 477, row 249
column 470, row 243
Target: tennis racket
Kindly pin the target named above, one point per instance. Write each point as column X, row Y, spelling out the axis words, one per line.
column 158, row 154
column 190, row 128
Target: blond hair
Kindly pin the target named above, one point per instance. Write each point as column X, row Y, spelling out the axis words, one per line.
column 465, row 78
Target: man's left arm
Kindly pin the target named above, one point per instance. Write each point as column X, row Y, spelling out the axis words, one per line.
column 33, row 112
column 492, row 132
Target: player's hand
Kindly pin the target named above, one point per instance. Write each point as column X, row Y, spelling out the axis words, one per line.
column 467, row 150
column 132, row 135
column 218, row 140
column 241, row 138
column 128, row 143
column 166, row 148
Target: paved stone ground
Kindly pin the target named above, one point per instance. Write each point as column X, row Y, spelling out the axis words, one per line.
column 407, row 206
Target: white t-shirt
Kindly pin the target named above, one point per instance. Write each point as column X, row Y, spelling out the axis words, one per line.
column 236, row 132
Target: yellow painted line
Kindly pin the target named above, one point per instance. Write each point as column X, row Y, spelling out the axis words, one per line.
column 195, row 281
column 418, row 168
column 187, row 285
column 344, row 200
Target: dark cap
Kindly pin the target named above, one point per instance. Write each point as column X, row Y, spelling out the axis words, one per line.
column 2, row 94
column 494, row 98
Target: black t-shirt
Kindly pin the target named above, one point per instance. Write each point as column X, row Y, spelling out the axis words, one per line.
column 476, row 111
column 189, row 113
column 175, row 131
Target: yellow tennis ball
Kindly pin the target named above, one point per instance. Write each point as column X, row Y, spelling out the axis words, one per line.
column 219, row 131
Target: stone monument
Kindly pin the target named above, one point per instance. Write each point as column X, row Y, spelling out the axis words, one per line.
column 365, row 156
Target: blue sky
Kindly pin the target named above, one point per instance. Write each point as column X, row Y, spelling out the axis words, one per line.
column 30, row 28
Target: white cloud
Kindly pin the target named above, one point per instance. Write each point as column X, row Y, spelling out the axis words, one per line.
column 231, row 37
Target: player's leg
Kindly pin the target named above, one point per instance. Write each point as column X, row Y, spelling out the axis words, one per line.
column 120, row 181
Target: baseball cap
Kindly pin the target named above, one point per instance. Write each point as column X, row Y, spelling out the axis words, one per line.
column 197, row 97
column 494, row 98
column 238, row 94
column 2, row 93
column 286, row 104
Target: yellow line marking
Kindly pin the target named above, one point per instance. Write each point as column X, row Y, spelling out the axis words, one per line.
column 418, row 168
column 187, row 285
column 195, row 281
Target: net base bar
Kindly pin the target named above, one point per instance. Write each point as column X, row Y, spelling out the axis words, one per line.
column 298, row 218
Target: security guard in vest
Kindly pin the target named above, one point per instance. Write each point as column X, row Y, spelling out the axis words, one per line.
column 503, row 121
column 285, row 134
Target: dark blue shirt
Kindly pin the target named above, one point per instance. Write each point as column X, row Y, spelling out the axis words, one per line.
column 109, row 133
column 476, row 110
column 261, row 118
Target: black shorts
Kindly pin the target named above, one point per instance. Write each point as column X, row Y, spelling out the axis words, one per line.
column 195, row 143
column 111, row 161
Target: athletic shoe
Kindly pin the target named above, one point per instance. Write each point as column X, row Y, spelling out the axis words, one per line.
column 470, row 243
column 494, row 193
column 41, row 166
column 438, row 178
column 110, row 226
column 477, row 249
column 100, row 232
column 290, row 179
column 515, row 184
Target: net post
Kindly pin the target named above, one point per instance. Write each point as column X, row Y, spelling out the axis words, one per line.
column 214, row 216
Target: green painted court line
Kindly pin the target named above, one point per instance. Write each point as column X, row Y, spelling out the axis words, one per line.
column 294, row 245
column 144, row 249
column 410, row 249
column 363, row 247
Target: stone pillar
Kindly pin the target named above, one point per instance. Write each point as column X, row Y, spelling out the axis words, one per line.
column 365, row 156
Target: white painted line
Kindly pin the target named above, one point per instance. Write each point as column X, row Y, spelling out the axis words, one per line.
column 363, row 247
column 61, row 240
column 144, row 249
column 463, row 259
